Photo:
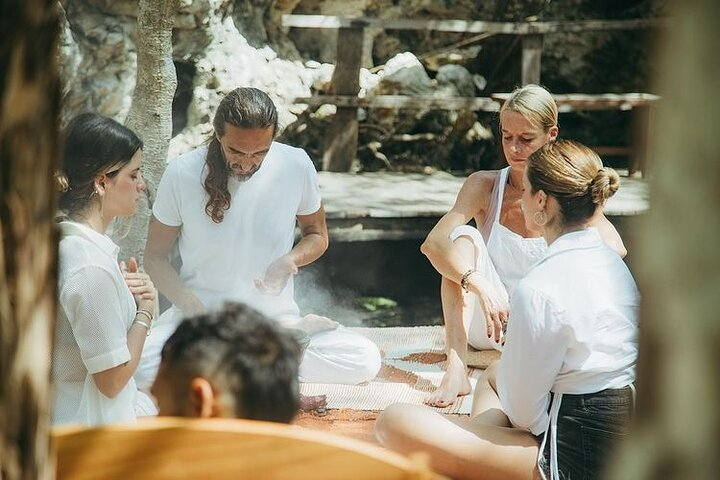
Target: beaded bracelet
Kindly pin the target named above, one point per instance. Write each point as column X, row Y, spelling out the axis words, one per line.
column 464, row 279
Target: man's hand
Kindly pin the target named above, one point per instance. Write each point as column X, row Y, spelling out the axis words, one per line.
column 277, row 276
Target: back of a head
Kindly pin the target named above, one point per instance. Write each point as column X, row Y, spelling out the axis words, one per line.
column 246, row 107
column 251, row 362
column 574, row 175
column 93, row 145
column 535, row 104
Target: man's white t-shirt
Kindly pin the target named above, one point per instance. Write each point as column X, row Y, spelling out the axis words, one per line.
column 220, row 261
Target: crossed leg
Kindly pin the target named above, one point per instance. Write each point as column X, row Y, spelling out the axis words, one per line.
column 464, row 321
column 483, row 446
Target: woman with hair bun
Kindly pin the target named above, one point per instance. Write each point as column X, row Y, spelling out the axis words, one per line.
column 561, row 395
column 105, row 308
column 481, row 266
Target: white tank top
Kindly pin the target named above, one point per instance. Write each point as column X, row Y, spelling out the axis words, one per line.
column 511, row 254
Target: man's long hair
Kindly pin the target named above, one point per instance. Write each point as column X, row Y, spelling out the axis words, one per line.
column 244, row 107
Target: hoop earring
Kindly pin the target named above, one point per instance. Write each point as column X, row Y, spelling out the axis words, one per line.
column 540, row 218
column 96, row 192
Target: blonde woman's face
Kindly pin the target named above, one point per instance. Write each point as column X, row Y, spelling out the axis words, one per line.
column 520, row 137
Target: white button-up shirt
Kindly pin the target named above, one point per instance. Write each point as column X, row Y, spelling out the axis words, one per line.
column 573, row 329
column 95, row 312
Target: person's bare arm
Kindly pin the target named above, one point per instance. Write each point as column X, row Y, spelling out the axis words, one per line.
column 313, row 243
column 161, row 239
column 437, row 247
column 111, row 381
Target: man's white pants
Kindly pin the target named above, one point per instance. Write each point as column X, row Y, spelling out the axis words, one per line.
column 336, row 356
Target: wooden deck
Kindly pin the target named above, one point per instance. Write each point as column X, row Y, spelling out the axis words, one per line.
column 394, row 206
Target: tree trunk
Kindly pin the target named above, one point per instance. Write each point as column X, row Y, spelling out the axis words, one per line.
column 29, row 112
column 150, row 115
column 677, row 431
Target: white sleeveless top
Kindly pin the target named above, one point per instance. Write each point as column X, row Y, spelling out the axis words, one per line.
column 511, row 254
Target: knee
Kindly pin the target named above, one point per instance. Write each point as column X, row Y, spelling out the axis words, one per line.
column 368, row 368
column 465, row 234
column 394, row 423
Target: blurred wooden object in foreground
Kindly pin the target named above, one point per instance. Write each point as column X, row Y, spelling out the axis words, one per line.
column 175, row 448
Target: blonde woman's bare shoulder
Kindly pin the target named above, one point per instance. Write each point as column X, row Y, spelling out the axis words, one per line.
column 475, row 193
column 481, row 182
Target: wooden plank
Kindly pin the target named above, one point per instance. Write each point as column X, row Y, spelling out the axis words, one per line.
column 341, row 139
column 566, row 102
column 222, row 448
column 614, row 151
column 606, row 101
column 642, row 126
column 466, row 26
column 400, row 101
column 531, row 55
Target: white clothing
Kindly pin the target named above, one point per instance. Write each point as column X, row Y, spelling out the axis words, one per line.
column 511, row 254
column 222, row 260
column 475, row 325
column 574, row 329
column 503, row 260
column 96, row 311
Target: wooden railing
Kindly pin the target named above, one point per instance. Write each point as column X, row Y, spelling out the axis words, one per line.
column 342, row 137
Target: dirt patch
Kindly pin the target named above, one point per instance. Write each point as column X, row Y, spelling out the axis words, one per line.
column 426, row 358
column 351, row 423
column 391, row 374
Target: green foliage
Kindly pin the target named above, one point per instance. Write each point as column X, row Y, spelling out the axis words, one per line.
column 372, row 304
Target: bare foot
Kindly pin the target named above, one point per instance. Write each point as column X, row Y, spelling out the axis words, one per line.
column 313, row 324
column 454, row 384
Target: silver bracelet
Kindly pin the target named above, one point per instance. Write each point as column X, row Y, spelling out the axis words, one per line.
column 146, row 313
column 142, row 324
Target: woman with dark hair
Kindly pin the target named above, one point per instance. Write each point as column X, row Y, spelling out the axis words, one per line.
column 106, row 308
column 561, row 395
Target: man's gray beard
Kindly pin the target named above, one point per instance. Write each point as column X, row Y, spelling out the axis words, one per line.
column 242, row 178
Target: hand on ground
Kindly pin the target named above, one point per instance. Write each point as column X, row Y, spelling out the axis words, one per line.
column 276, row 276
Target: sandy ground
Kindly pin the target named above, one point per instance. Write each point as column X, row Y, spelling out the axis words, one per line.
column 350, row 423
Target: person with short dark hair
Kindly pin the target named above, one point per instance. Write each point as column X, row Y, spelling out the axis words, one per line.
column 105, row 309
column 232, row 207
column 233, row 363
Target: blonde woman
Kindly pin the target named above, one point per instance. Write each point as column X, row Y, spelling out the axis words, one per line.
column 481, row 266
column 561, row 396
